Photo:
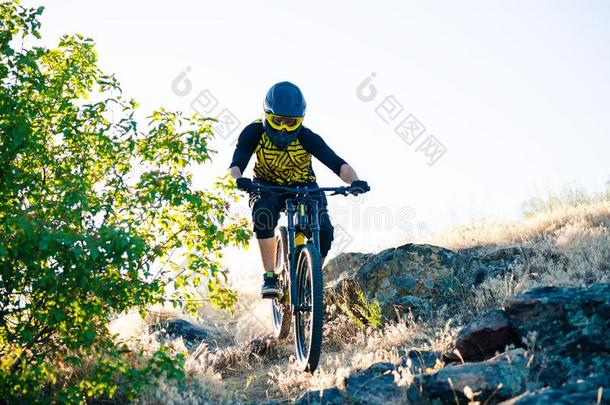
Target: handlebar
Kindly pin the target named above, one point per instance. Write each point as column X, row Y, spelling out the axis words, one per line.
column 342, row 190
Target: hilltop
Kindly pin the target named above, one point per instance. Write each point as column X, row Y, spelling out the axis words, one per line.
column 483, row 312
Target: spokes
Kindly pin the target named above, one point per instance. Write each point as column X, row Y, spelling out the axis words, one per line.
column 309, row 307
column 304, row 307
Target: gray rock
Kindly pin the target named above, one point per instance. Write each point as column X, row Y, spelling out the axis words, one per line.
column 374, row 385
column 264, row 346
column 329, row 396
column 419, row 307
column 499, row 378
column 418, row 361
column 191, row 333
column 483, row 337
column 422, row 271
column 585, row 391
column 571, row 325
column 343, row 265
column 488, row 262
column 579, row 315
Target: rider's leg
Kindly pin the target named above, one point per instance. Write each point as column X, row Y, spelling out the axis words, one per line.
column 326, row 227
column 326, row 239
column 265, row 215
column 267, row 248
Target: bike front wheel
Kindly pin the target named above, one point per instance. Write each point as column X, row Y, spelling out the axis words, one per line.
column 309, row 311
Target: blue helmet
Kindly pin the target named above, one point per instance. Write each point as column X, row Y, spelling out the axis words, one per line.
column 286, row 100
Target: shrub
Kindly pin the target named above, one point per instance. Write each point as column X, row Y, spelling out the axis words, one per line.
column 363, row 311
column 92, row 214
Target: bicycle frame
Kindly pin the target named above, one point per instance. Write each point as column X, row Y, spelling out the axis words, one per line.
column 291, row 210
column 298, row 206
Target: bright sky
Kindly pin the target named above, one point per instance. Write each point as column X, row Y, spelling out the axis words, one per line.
column 517, row 92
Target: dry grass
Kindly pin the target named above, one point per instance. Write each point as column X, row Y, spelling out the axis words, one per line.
column 571, row 246
column 542, row 228
column 574, row 246
column 354, row 349
column 203, row 388
column 235, row 372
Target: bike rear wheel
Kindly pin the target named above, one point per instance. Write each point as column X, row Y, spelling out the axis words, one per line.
column 280, row 306
column 309, row 311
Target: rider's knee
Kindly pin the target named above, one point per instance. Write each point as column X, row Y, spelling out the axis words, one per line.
column 264, row 219
column 264, row 233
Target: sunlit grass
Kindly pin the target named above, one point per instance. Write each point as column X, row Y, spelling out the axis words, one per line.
column 571, row 245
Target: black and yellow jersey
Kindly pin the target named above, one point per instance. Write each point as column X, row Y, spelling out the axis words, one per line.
column 283, row 167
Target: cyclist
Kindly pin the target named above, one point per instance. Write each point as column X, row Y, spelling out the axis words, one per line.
column 283, row 148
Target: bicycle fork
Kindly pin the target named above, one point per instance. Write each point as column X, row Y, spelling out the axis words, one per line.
column 296, row 238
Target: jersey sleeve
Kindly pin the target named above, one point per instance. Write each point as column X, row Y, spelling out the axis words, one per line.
column 246, row 144
column 314, row 144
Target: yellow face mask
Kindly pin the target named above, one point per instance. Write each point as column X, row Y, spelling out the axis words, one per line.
column 280, row 122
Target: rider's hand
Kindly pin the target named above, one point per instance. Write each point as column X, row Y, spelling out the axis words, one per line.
column 244, row 183
column 359, row 187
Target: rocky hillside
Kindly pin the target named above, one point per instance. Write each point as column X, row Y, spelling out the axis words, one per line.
column 505, row 313
column 547, row 345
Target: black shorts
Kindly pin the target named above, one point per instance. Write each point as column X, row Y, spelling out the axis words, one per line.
column 266, row 208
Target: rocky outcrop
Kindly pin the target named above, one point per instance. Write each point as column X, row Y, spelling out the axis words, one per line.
column 562, row 352
column 344, row 265
column 571, row 322
column 499, row 378
column 569, row 327
column 483, row 337
column 579, row 316
column 424, row 272
column 415, row 278
column 565, row 357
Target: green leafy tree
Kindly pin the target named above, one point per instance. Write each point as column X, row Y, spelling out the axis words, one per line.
column 96, row 216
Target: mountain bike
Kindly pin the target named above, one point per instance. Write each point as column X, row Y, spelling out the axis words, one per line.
column 299, row 271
